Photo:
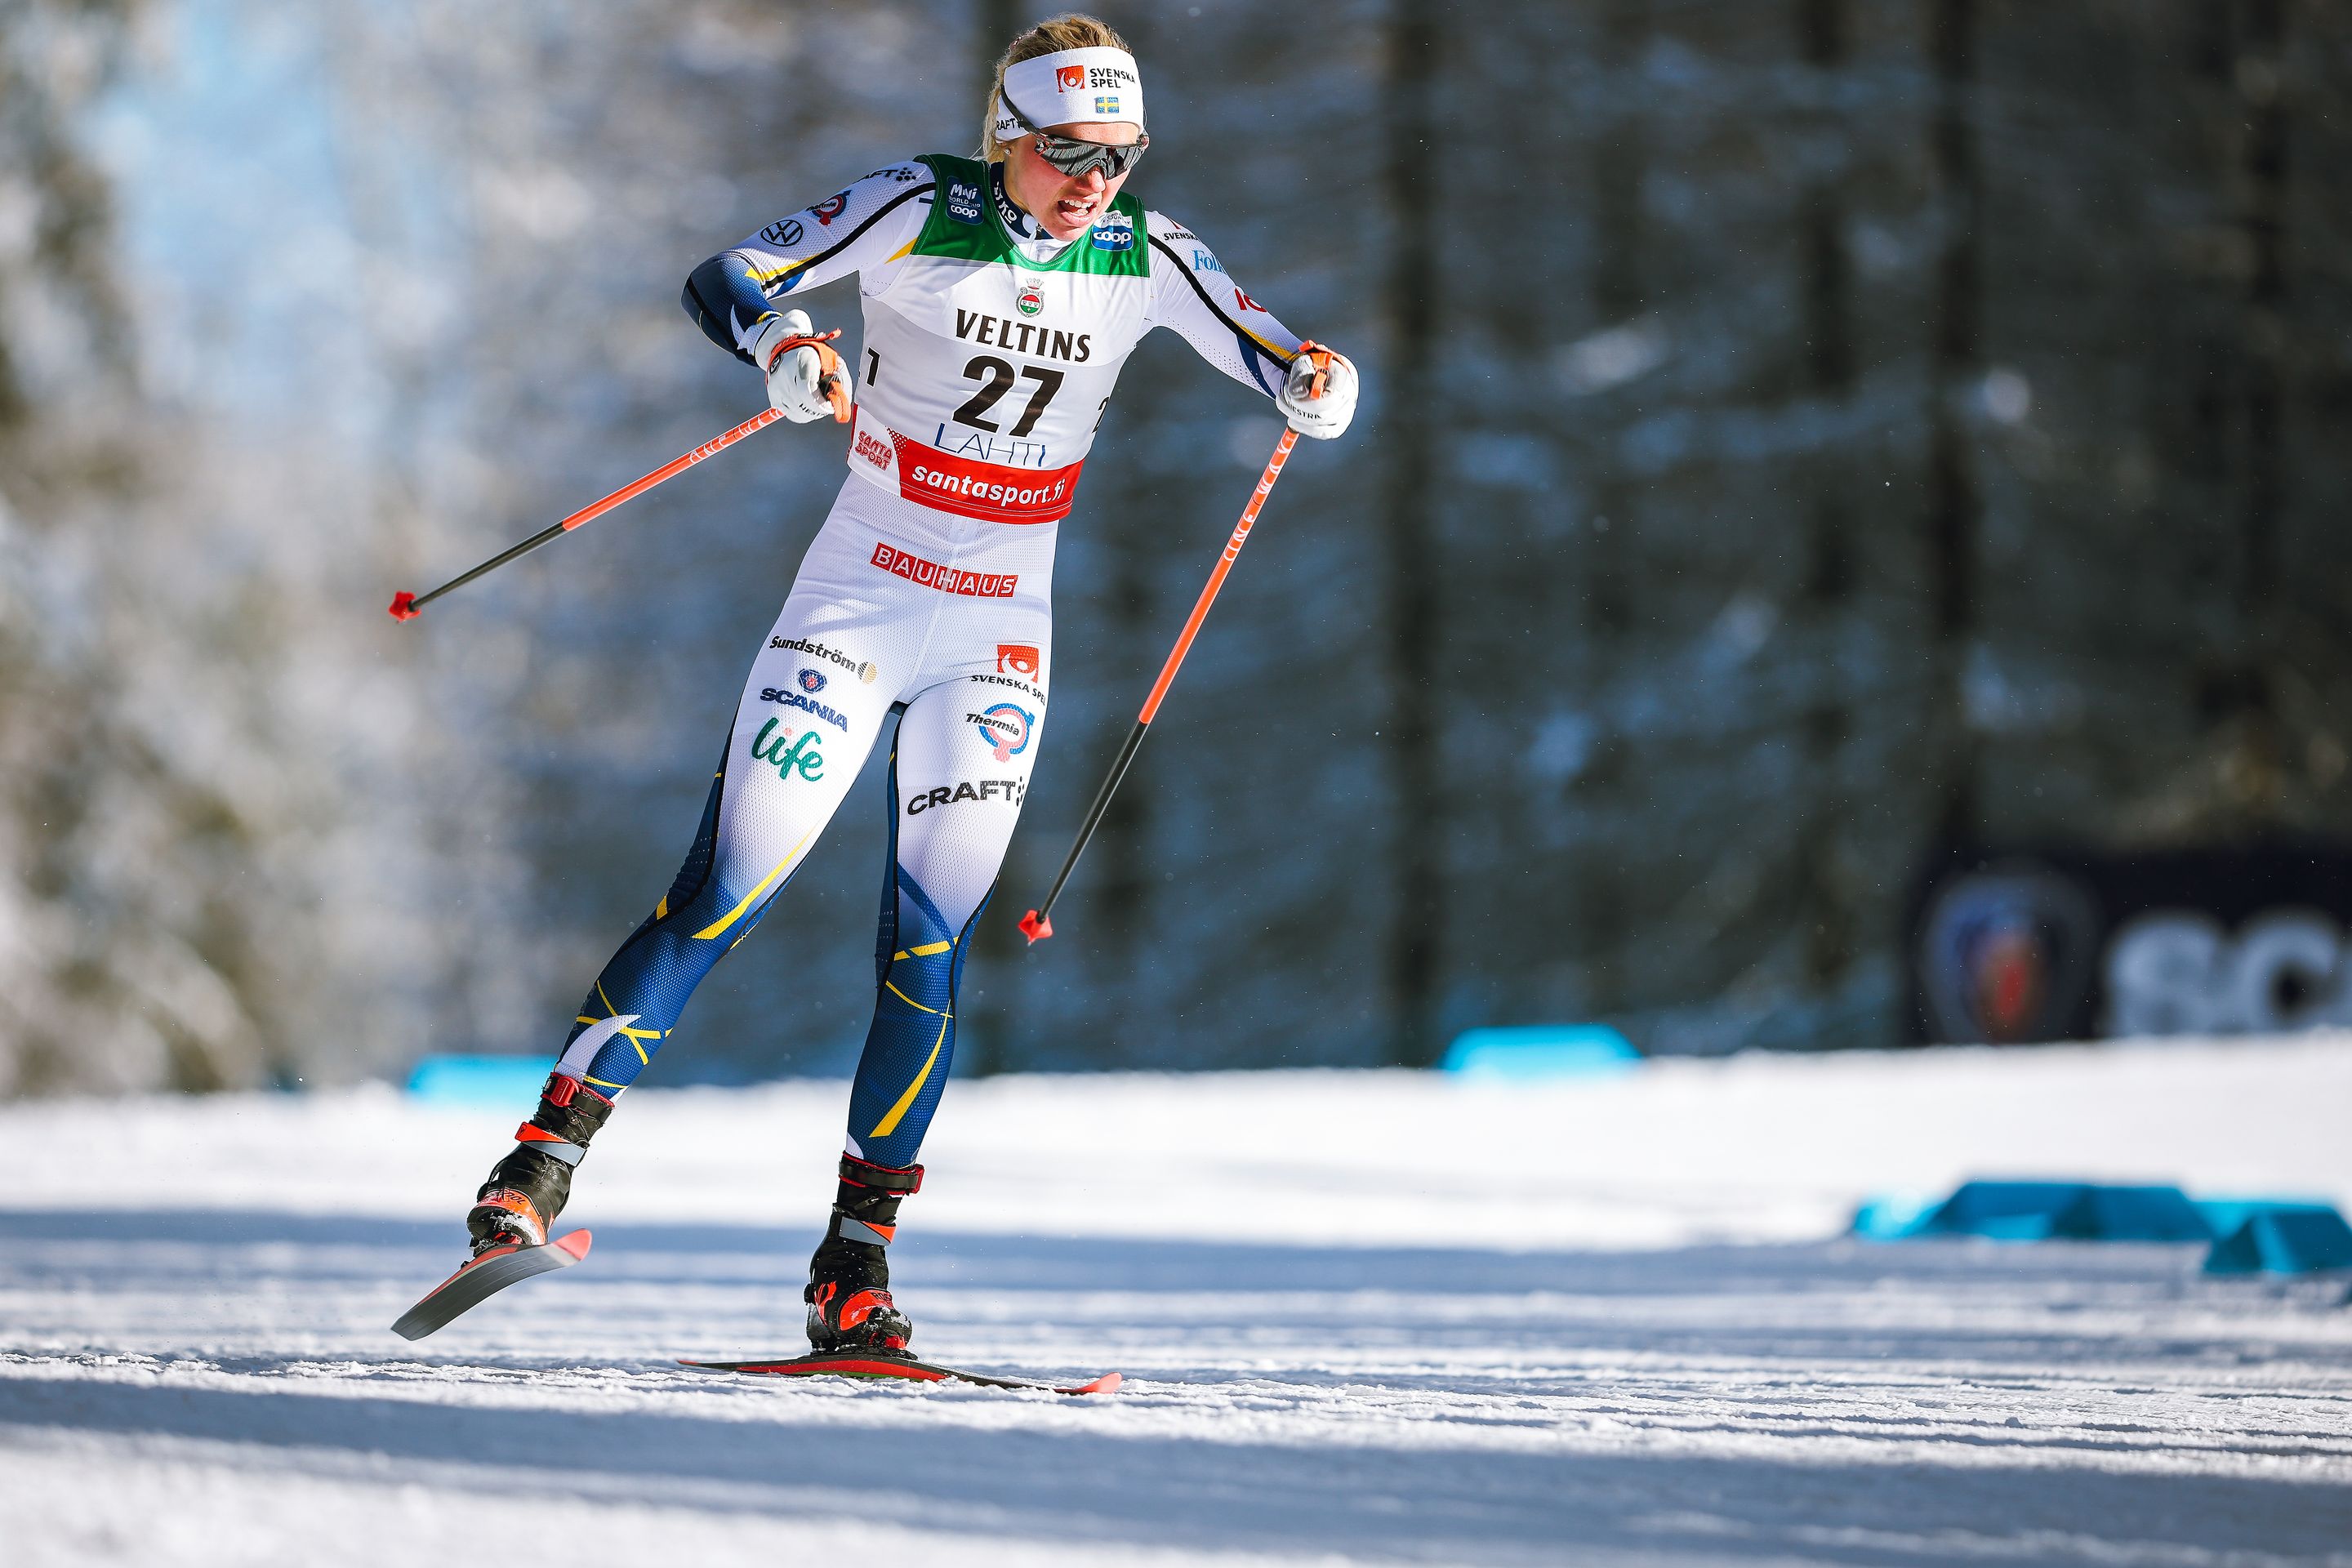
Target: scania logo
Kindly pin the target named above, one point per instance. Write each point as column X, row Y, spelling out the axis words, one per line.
column 1032, row 297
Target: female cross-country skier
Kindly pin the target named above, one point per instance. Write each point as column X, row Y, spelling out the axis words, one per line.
column 1002, row 295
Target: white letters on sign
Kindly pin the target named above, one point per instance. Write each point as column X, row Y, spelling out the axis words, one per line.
column 2175, row 972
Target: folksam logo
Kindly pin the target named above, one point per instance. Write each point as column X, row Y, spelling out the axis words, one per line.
column 1005, row 727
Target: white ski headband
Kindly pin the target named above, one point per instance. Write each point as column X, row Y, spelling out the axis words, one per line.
column 1073, row 87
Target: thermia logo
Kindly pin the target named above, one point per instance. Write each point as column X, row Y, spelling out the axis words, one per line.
column 1006, row 726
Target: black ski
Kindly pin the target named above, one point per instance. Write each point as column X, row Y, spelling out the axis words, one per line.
column 905, row 1369
column 484, row 1276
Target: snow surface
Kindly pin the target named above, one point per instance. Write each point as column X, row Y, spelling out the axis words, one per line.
column 1366, row 1318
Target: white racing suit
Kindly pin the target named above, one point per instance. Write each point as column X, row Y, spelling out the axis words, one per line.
column 989, row 353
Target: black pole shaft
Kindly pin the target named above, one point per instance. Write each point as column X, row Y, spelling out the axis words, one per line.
column 492, row 565
column 1095, row 812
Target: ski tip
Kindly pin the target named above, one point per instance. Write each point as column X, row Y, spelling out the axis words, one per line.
column 1036, row 927
column 575, row 1243
column 404, row 607
column 1107, row 1383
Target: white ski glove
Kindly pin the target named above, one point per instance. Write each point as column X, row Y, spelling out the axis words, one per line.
column 806, row 379
column 1320, row 412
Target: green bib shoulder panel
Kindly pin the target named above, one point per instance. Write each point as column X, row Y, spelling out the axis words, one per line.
column 963, row 224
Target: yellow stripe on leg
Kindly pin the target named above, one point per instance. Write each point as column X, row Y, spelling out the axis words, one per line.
column 751, row 897
column 889, row 1124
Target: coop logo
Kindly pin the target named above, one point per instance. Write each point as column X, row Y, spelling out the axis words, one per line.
column 830, row 208
column 1032, row 297
column 1004, row 792
column 788, row 232
column 1070, row 78
column 863, row 669
column 806, row 704
column 1115, row 233
column 1019, row 658
column 811, row 681
column 963, row 202
column 1005, row 727
column 873, row 449
column 789, row 753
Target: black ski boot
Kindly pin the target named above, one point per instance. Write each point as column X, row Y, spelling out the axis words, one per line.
column 848, row 1294
column 528, row 1188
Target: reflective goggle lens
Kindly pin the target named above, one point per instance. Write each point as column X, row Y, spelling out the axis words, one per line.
column 1077, row 157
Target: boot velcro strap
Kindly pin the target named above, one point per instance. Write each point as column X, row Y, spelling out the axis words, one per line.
column 530, row 1135
column 888, row 1178
column 850, row 1229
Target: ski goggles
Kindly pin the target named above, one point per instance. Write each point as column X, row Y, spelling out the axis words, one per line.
column 1074, row 157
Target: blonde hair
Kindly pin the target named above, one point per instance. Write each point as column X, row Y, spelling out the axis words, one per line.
column 1074, row 30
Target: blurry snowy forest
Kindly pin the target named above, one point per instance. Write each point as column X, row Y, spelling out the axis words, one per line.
column 1804, row 439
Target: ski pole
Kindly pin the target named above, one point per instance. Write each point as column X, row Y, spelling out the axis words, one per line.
column 1038, row 925
column 408, row 607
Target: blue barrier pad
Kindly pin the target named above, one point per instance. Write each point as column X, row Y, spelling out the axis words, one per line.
column 2044, row 1211
column 1540, row 1051
column 510, row 1083
column 2278, row 1237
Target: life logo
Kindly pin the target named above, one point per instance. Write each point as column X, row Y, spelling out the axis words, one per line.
column 1005, row 727
column 811, row 681
column 1018, row 657
column 1070, row 78
column 803, row 756
column 830, row 208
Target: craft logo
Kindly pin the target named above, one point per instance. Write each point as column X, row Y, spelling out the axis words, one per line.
column 1017, row 657
column 1114, row 234
column 806, row 704
column 873, row 449
column 830, row 208
column 1246, row 303
column 788, row 232
column 1004, row 727
column 1005, row 792
column 946, row 579
column 1205, row 262
column 802, row 757
column 1070, row 78
column 1105, row 103
column 963, row 202
column 863, row 669
column 1032, row 297
column 811, row 681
